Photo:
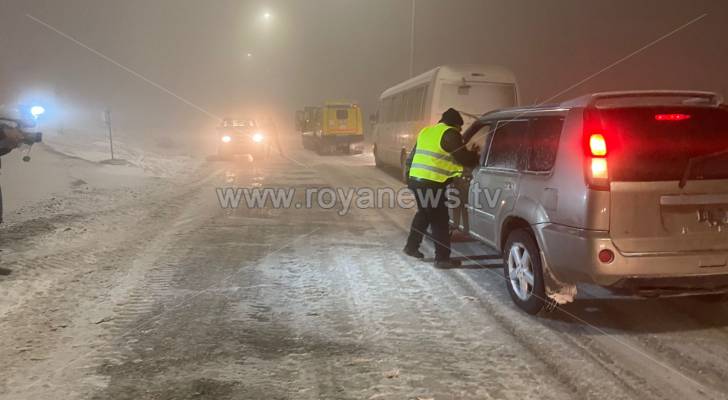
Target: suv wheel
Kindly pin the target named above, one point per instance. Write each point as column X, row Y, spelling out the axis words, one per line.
column 523, row 271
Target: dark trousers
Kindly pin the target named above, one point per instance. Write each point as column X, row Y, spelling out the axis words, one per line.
column 431, row 212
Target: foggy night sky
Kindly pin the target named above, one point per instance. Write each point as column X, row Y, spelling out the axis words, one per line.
column 317, row 50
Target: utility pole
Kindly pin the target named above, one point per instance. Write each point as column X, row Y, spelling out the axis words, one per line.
column 412, row 41
column 107, row 119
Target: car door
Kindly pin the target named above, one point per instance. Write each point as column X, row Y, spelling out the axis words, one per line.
column 494, row 187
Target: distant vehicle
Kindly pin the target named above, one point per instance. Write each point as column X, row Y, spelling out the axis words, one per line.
column 23, row 119
column 21, row 124
column 410, row 106
column 625, row 190
column 241, row 136
column 331, row 127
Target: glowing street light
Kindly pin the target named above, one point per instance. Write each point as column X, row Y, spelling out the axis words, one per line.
column 267, row 15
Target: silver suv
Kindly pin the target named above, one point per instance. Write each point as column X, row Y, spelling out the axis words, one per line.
column 625, row 190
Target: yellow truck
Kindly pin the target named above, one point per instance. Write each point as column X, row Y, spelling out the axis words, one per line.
column 333, row 127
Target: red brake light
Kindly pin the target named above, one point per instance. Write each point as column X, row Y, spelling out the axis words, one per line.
column 598, row 145
column 672, row 117
column 596, row 150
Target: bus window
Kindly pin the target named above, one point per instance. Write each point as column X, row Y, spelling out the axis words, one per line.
column 418, row 105
column 397, row 109
column 407, row 106
column 387, row 110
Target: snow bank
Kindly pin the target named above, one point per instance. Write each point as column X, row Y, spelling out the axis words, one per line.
column 94, row 149
column 67, row 160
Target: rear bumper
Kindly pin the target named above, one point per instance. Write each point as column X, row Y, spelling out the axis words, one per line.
column 672, row 286
column 572, row 255
column 342, row 139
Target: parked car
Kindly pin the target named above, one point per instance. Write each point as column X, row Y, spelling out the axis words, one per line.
column 625, row 190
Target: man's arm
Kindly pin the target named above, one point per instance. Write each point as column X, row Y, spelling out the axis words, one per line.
column 471, row 131
column 452, row 142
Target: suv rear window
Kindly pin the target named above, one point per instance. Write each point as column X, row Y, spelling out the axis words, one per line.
column 655, row 143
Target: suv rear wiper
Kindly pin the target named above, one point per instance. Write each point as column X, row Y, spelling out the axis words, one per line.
column 698, row 160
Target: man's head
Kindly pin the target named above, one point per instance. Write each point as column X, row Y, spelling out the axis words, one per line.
column 452, row 117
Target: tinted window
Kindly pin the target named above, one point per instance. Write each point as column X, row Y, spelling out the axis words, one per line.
column 509, row 145
column 645, row 145
column 342, row 114
column 544, row 143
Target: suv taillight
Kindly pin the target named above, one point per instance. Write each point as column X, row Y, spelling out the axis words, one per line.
column 596, row 150
column 597, row 168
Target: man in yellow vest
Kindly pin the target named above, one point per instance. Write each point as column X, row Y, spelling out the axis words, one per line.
column 437, row 159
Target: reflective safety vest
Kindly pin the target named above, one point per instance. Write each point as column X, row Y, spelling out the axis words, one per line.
column 431, row 162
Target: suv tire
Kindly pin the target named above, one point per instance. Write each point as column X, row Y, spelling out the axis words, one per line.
column 523, row 271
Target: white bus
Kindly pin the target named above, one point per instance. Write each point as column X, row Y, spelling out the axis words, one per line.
column 410, row 106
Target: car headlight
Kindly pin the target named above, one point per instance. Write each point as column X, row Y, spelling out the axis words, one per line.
column 226, row 139
column 258, row 137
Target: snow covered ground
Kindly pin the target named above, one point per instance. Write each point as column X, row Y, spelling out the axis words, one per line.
column 148, row 289
column 65, row 162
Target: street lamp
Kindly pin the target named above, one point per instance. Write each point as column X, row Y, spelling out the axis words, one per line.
column 412, row 39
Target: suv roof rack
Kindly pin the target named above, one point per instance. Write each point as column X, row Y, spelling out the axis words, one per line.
column 589, row 100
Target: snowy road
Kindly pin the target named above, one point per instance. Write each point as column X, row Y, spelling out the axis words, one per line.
column 157, row 292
